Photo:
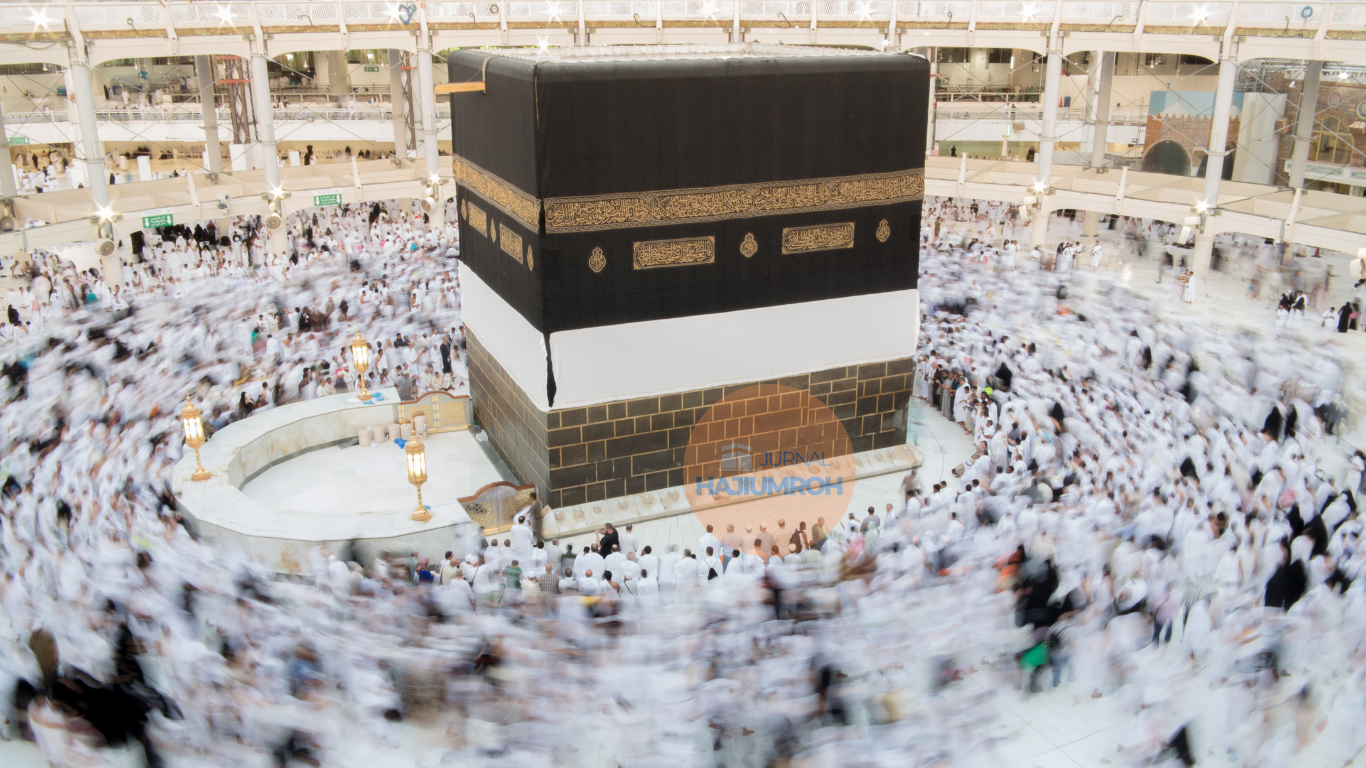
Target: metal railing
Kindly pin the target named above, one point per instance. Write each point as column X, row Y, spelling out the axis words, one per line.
column 281, row 114
column 155, row 18
column 1030, row 111
column 944, row 111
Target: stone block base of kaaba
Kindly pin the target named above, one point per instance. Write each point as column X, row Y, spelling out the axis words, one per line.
column 596, row 452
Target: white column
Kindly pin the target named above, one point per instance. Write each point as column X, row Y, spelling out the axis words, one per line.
column 8, row 187
column 90, row 137
column 71, row 110
column 398, row 103
column 1049, row 135
column 1304, row 127
column 1218, row 130
column 1088, row 101
column 1038, row 228
column 1102, row 112
column 1100, row 127
column 265, row 115
column 208, row 105
column 279, row 241
column 333, row 73
column 1200, row 260
column 1214, row 164
column 427, row 84
column 111, row 267
column 427, row 89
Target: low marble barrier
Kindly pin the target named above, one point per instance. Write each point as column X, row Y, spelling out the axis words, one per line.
column 218, row 510
column 585, row 518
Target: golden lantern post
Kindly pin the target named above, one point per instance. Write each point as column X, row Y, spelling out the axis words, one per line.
column 416, row 453
column 360, row 359
column 194, row 436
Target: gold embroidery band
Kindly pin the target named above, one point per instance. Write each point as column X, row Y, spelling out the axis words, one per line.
column 674, row 253
column 479, row 220
column 687, row 206
column 505, row 197
column 825, row 237
column 510, row 242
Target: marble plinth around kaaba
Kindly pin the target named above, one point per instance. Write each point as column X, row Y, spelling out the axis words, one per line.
column 304, row 491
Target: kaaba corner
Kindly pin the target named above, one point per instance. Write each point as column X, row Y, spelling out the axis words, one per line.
column 646, row 229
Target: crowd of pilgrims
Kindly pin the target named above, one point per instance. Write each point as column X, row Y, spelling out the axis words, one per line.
column 1151, row 514
column 346, row 269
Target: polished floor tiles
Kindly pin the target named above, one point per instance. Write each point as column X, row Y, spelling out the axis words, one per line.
column 374, row 478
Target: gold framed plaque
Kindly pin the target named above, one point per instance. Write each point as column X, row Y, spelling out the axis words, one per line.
column 685, row 252
column 479, row 220
column 510, row 242
column 821, row 237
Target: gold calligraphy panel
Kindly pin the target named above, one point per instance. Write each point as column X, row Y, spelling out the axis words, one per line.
column 686, row 206
column 825, row 237
column 479, row 220
column 510, row 242
column 613, row 213
column 505, row 197
column 674, row 253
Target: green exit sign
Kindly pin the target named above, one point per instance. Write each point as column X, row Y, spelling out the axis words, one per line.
column 327, row 197
column 372, row 69
column 161, row 217
column 18, row 141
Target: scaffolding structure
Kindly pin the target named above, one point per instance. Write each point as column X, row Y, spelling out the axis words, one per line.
column 235, row 80
column 407, row 67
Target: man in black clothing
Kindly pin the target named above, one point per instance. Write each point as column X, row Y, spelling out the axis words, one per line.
column 607, row 539
column 445, row 350
column 1275, row 422
column 1288, row 583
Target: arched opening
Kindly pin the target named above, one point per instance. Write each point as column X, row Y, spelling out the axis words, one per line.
column 1167, row 157
column 1227, row 173
column 1332, row 142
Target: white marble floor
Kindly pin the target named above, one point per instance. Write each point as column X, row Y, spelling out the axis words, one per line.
column 374, row 479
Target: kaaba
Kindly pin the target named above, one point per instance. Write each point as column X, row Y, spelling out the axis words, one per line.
column 646, row 229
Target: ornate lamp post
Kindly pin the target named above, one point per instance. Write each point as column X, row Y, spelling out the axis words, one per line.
column 416, row 453
column 194, row 436
column 360, row 358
